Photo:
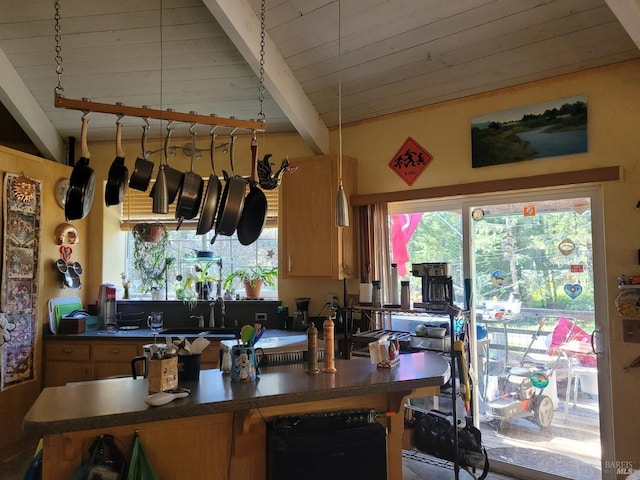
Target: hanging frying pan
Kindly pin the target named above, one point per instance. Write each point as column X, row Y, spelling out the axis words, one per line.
column 254, row 212
column 232, row 199
column 191, row 187
column 118, row 173
column 82, row 182
column 173, row 176
column 143, row 169
column 212, row 196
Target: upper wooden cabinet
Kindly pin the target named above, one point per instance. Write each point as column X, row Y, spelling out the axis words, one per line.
column 312, row 245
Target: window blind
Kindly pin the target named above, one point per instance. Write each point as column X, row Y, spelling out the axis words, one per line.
column 137, row 208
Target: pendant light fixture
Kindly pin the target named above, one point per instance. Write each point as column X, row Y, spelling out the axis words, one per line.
column 342, row 205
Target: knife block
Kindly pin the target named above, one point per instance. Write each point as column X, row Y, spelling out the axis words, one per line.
column 163, row 374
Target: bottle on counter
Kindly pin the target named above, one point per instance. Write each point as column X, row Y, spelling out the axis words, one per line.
column 329, row 346
column 395, row 297
column 405, row 303
column 312, row 350
column 226, row 362
column 376, row 294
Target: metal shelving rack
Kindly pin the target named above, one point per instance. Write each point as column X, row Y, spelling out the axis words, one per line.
column 446, row 308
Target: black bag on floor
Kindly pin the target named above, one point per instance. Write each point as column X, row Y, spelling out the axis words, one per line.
column 434, row 434
column 106, row 462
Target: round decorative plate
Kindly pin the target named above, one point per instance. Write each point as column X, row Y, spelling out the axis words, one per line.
column 61, row 191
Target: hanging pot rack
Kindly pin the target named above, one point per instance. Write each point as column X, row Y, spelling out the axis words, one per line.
column 86, row 105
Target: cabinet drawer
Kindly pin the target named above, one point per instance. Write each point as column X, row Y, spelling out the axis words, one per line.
column 114, row 352
column 65, row 352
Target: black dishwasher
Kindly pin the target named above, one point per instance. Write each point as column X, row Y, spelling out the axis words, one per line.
column 336, row 446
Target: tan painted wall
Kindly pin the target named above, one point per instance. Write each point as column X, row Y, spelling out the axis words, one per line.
column 15, row 401
column 614, row 116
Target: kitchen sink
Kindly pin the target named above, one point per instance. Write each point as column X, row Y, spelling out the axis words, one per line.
column 217, row 332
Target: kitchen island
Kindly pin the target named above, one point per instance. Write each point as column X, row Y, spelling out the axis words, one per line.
column 219, row 431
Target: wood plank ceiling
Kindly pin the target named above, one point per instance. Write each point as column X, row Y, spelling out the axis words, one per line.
column 202, row 55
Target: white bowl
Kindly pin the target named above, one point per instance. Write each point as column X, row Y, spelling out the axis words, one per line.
column 436, row 332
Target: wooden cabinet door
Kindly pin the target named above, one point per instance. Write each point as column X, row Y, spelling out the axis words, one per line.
column 112, row 359
column 308, row 212
column 312, row 244
column 66, row 362
column 60, row 373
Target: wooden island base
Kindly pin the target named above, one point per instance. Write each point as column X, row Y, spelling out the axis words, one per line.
column 220, row 430
column 224, row 446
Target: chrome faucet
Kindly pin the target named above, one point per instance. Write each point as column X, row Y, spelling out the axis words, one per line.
column 200, row 320
column 216, row 309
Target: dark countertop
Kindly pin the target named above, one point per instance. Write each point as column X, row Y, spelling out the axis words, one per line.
column 113, row 402
column 147, row 334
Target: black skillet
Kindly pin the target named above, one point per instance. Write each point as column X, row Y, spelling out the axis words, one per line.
column 191, row 188
column 172, row 175
column 231, row 201
column 254, row 213
column 118, row 174
column 143, row 169
column 211, row 197
column 81, row 183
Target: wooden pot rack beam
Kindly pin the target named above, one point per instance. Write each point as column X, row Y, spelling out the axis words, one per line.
column 85, row 105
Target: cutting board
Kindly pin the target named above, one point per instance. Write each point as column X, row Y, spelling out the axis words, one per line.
column 59, row 307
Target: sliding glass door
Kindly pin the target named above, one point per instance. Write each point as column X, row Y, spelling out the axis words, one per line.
column 535, row 277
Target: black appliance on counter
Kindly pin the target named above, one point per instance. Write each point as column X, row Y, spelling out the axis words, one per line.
column 335, row 445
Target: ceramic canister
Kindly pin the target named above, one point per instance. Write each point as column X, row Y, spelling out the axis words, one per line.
column 245, row 363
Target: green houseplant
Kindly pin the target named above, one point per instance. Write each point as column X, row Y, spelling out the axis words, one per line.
column 150, row 256
column 252, row 278
column 203, row 279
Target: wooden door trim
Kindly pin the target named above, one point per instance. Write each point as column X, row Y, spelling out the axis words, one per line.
column 593, row 175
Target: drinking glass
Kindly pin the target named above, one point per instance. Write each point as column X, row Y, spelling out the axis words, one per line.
column 155, row 323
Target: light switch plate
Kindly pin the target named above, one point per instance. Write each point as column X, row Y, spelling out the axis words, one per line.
column 631, row 331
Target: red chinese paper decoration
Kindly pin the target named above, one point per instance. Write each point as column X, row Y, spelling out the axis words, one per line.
column 410, row 161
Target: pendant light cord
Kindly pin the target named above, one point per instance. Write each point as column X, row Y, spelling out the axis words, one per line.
column 340, row 85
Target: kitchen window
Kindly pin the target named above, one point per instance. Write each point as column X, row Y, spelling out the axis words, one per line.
column 184, row 245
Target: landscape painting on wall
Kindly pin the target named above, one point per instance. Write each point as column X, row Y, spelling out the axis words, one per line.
column 549, row 129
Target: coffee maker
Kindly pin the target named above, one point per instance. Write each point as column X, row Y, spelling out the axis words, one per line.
column 106, row 306
column 436, row 285
column 300, row 316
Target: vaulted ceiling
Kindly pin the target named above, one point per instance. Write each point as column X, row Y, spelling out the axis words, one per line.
column 204, row 55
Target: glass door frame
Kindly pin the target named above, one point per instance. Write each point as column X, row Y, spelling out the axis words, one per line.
column 594, row 193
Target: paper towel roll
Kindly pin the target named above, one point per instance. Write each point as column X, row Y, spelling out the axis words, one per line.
column 365, row 292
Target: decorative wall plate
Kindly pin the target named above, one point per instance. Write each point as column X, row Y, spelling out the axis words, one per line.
column 61, row 191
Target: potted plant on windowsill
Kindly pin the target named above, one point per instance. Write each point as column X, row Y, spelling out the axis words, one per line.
column 252, row 278
column 203, row 279
column 150, row 259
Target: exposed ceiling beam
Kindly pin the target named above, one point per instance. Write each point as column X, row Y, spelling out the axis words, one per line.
column 628, row 14
column 24, row 108
column 242, row 26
